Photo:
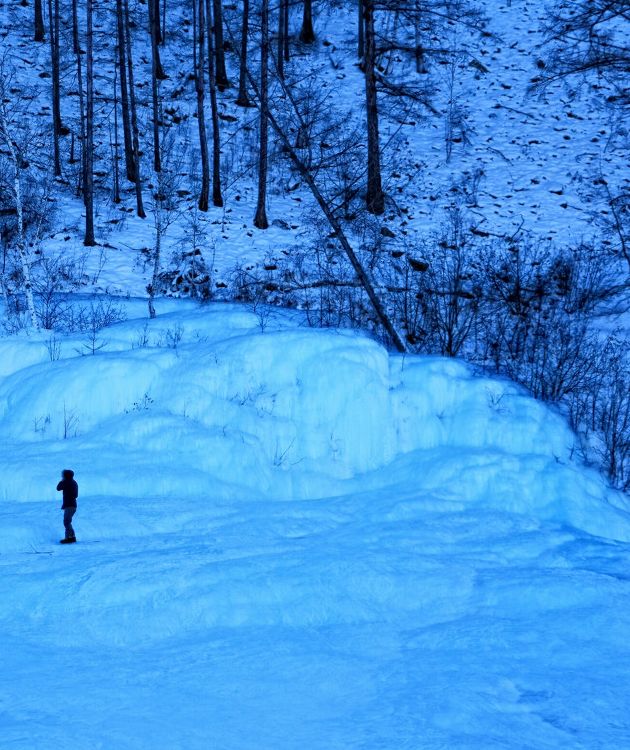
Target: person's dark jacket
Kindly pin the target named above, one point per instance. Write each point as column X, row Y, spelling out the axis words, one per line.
column 69, row 488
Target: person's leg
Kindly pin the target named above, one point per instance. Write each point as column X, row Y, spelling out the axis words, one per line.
column 67, row 522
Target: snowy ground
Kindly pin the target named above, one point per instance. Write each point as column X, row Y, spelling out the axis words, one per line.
column 288, row 539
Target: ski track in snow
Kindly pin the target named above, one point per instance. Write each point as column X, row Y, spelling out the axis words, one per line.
column 444, row 575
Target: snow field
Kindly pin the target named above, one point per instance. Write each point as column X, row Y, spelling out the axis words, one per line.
column 291, row 539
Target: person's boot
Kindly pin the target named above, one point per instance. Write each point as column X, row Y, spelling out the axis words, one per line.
column 68, row 540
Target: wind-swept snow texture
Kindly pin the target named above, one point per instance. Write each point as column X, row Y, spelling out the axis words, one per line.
column 289, row 539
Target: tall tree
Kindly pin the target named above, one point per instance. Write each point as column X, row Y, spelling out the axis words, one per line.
column 133, row 112
column 217, row 198
column 155, row 34
column 199, row 74
column 76, row 48
column 281, row 29
column 53, row 23
column 243, row 98
column 307, row 33
column 287, row 8
column 375, row 198
column 361, row 31
column 39, row 22
column 114, row 144
column 219, row 46
column 130, row 165
column 155, row 78
column 260, row 219
column 88, row 239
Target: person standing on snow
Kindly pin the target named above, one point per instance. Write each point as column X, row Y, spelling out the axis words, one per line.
column 70, row 491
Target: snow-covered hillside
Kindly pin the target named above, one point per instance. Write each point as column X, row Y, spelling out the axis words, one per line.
column 288, row 538
column 537, row 162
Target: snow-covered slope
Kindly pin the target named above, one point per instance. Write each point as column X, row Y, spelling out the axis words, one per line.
column 536, row 162
column 289, row 539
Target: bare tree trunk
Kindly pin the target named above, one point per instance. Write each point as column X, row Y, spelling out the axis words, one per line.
column 280, row 49
column 39, row 22
column 116, row 191
column 243, row 98
column 307, row 34
column 77, row 51
column 133, row 112
column 89, row 240
column 260, row 219
column 285, row 3
column 419, row 54
column 154, row 33
column 221, row 73
column 155, row 64
column 158, row 29
column 375, row 198
column 22, row 248
column 198, row 62
column 124, row 93
column 53, row 22
column 217, row 198
column 361, row 31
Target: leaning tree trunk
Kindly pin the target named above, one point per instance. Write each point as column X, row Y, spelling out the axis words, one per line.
column 219, row 49
column 375, row 199
column 133, row 112
column 330, row 214
column 243, row 99
column 124, row 93
column 307, row 34
column 260, row 219
column 198, row 63
column 39, row 22
column 217, row 198
column 340, row 235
